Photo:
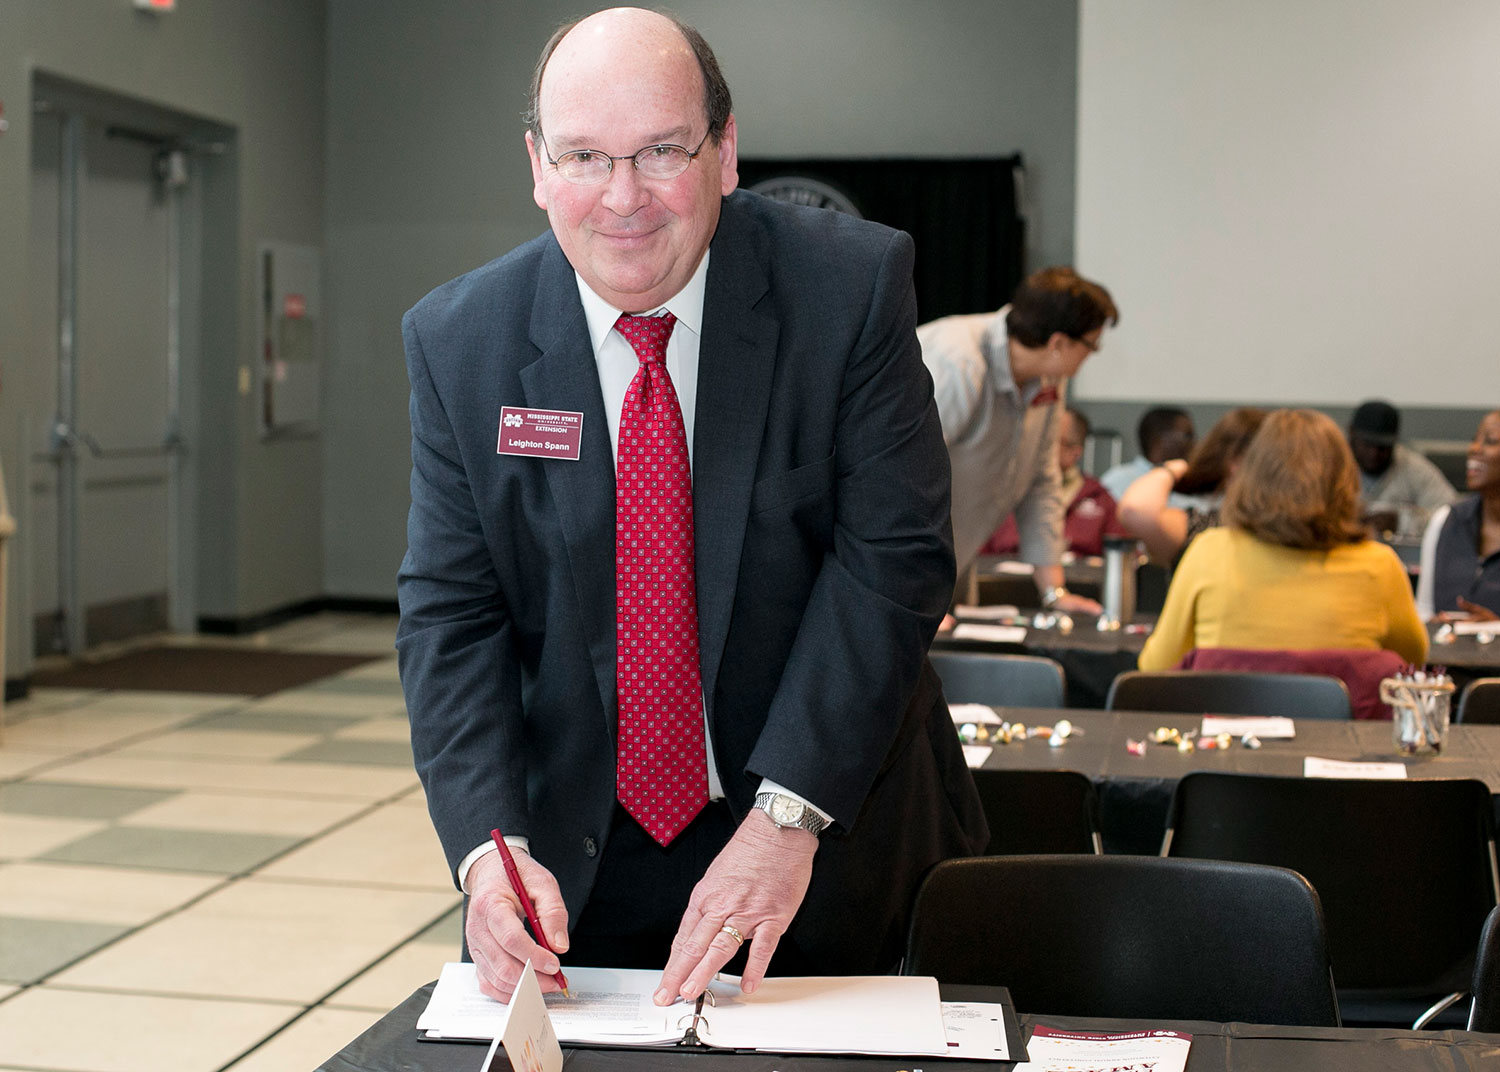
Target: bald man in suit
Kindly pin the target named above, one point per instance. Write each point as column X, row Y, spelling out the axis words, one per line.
column 823, row 559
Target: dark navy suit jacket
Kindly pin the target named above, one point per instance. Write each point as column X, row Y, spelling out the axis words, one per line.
column 824, row 564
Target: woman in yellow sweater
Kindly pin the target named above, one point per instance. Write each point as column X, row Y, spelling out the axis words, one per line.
column 1291, row 567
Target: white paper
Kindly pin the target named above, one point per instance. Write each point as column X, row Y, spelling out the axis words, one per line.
column 880, row 1014
column 976, row 754
column 530, row 1044
column 1014, row 568
column 1077, row 1051
column 1490, row 628
column 866, row 1014
column 973, row 712
column 1314, row 767
column 1004, row 634
column 993, row 612
column 1266, row 728
column 975, row 1030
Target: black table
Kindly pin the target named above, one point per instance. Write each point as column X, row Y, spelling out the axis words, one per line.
column 1090, row 659
column 391, row 1045
column 1135, row 792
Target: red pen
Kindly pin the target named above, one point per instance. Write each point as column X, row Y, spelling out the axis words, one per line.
column 536, row 924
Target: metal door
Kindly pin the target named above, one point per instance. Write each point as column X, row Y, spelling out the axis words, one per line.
column 106, row 219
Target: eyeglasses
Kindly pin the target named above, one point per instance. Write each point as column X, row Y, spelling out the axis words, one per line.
column 589, row 167
column 1091, row 347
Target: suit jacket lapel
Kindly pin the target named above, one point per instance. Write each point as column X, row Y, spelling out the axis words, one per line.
column 737, row 357
column 566, row 377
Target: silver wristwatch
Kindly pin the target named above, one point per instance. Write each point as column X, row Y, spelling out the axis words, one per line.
column 1051, row 596
column 789, row 811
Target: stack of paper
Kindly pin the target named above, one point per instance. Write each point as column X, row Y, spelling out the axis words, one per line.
column 884, row 1014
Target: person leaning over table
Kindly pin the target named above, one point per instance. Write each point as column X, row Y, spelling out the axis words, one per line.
column 1290, row 567
column 1090, row 514
column 763, row 756
column 1146, row 511
column 1460, row 563
column 998, row 378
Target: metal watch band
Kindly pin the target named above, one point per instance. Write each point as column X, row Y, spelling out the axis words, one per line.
column 1052, row 595
column 809, row 820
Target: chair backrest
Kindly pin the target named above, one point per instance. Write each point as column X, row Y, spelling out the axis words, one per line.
column 1229, row 692
column 1484, row 1014
column 1480, row 701
column 999, row 680
column 1360, row 669
column 1405, row 869
column 1124, row 936
column 1039, row 811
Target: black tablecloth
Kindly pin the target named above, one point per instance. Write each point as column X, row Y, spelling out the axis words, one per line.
column 392, row 1046
column 1136, row 791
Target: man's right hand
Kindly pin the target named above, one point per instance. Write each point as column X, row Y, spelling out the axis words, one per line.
column 496, row 924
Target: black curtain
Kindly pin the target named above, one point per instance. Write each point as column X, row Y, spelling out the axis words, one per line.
column 961, row 212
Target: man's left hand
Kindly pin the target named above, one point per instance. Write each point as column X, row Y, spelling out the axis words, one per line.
column 755, row 885
column 1073, row 603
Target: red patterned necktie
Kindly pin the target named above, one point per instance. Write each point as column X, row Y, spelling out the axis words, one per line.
column 660, row 773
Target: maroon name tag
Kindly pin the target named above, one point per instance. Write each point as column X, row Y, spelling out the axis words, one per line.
column 540, row 433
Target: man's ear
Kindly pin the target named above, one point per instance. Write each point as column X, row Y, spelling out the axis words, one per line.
column 538, row 192
column 729, row 159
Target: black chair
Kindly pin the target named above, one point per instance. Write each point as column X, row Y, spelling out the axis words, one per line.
column 1229, row 692
column 999, row 680
column 1039, row 811
column 1484, row 1014
column 1480, row 701
column 1130, row 937
column 1405, row 871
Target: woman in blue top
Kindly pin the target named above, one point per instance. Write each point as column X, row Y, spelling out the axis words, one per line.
column 1461, row 548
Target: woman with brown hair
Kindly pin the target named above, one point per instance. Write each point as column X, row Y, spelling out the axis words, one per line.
column 1290, row 567
column 1145, row 511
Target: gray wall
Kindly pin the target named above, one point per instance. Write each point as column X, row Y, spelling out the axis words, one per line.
column 427, row 175
column 258, row 68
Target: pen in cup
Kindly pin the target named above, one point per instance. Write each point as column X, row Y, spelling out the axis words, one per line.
column 536, row 924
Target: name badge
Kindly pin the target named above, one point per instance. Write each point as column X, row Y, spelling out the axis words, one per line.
column 540, row 433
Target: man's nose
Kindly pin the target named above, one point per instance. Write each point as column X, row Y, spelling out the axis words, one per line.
column 624, row 191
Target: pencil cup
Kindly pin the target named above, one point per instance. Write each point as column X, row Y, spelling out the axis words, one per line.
column 1420, row 705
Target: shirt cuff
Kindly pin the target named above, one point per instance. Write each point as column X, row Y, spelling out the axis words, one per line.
column 524, row 844
column 768, row 786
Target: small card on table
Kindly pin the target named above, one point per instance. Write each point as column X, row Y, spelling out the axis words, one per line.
column 530, row 1044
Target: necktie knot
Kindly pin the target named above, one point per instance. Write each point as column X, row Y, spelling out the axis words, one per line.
column 647, row 335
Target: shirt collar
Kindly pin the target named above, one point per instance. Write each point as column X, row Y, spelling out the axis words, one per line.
column 686, row 305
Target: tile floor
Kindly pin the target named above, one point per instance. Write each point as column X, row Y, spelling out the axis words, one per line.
column 196, row 883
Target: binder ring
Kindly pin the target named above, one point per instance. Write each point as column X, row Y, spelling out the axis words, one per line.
column 739, row 939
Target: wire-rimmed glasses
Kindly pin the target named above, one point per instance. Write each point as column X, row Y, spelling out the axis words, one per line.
column 589, row 167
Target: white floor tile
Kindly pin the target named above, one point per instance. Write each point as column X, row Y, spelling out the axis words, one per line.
column 221, row 946
column 175, row 703
column 95, row 894
column 310, row 1041
column 244, row 814
column 390, row 846
column 292, row 779
column 391, row 982
column 31, row 835
column 331, row 703
column 83, row 728
column 15, row 762
column 48, row 1028
column 377, row 729
column 225, row 744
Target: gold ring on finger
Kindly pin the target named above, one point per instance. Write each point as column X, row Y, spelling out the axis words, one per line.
column 739, row 939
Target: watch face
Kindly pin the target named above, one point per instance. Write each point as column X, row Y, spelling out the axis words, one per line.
column 785, row 810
